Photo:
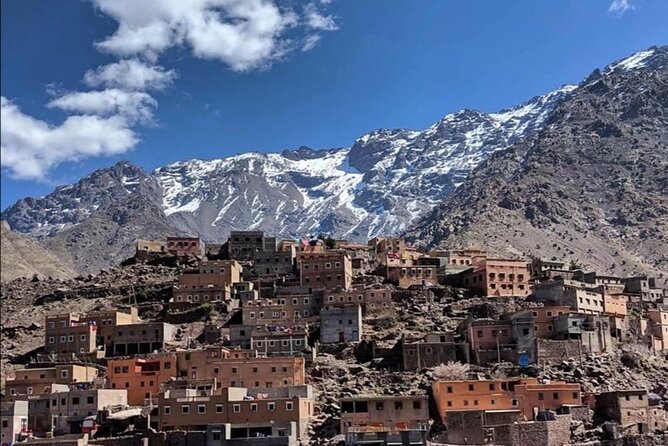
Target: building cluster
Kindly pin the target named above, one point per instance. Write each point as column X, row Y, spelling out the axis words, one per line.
column 105, row 370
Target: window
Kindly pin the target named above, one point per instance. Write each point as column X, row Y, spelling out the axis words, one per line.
column 271, row 407
column 52, row 339
column 90, row 400
column 491, row 387
column 470, row 387
column 541, row 397
column 555, row 396
column 167, row 410
column 219, row 408
column 216, row 370
column 64, row 373
column 514, row 402
column 449, row 389
column 416, row 404
column 449, row 403
column 236, row 408
column 253, row 407
column 466, row 402
column 398, row 405
column 288, row 406
column 201, row 408
column 575, row 395
column 63, row 338
column 480, row 333
column 70, row 338
column 185, row 409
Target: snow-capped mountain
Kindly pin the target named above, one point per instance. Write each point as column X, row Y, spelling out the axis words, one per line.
column 381, row 185
column 384, row 183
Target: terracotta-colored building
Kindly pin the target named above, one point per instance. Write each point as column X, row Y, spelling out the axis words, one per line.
column 374, row 299
column 90, row 334
column 498, row 277
column 543, row 319
column 191, row 409
column 405, row 273
column 34, row 381
column 280, row 310
column 186, row 246
column 490, row 340
column 212, row 281
column 526, row 395
column 248, row 371
column 379, row 412
column 325, row 270
column 141, row 377
column 657, row 329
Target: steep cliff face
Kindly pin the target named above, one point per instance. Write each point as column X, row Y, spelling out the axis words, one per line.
column 592, row 184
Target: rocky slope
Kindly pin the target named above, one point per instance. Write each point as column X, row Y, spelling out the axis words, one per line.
column 24, row 257
column 96, row 221
column 592, row 184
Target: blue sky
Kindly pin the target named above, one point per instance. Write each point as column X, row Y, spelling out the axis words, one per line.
column 315, row 73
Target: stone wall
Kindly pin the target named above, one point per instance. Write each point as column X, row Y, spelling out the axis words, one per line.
column 554, row 351
column 535, row 433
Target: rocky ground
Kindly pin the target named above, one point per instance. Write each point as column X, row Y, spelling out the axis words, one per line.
column 26, row 302
column 338, row 371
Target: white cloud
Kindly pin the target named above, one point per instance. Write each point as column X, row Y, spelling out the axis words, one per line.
column 244, row 34
column 134, row 106
column 310, row 42
column 316, row 20
column 31, row 147
column 621, row 6
column 130, row 74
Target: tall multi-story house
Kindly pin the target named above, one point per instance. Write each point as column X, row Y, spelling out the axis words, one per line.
column 341, row 324
column 46, row 380
column 212, row 281
column 579, row 296
column 657, row 329
column 192, row 409
column 384, row 419
column 66, row 411
column 374, row 299
column 14, row 419
column 498, row 277
column 406, row 272
column 141, row 377
column 243, row 245
column 525, row 395
column 325, row 270
column 276, row 262
column 645, row 287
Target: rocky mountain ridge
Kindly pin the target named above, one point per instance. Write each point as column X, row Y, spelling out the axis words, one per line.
column 380, row 185
column 592, row 184
column 387, row 182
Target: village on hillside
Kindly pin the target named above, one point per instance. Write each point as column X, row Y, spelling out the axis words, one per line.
column 260, row 341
